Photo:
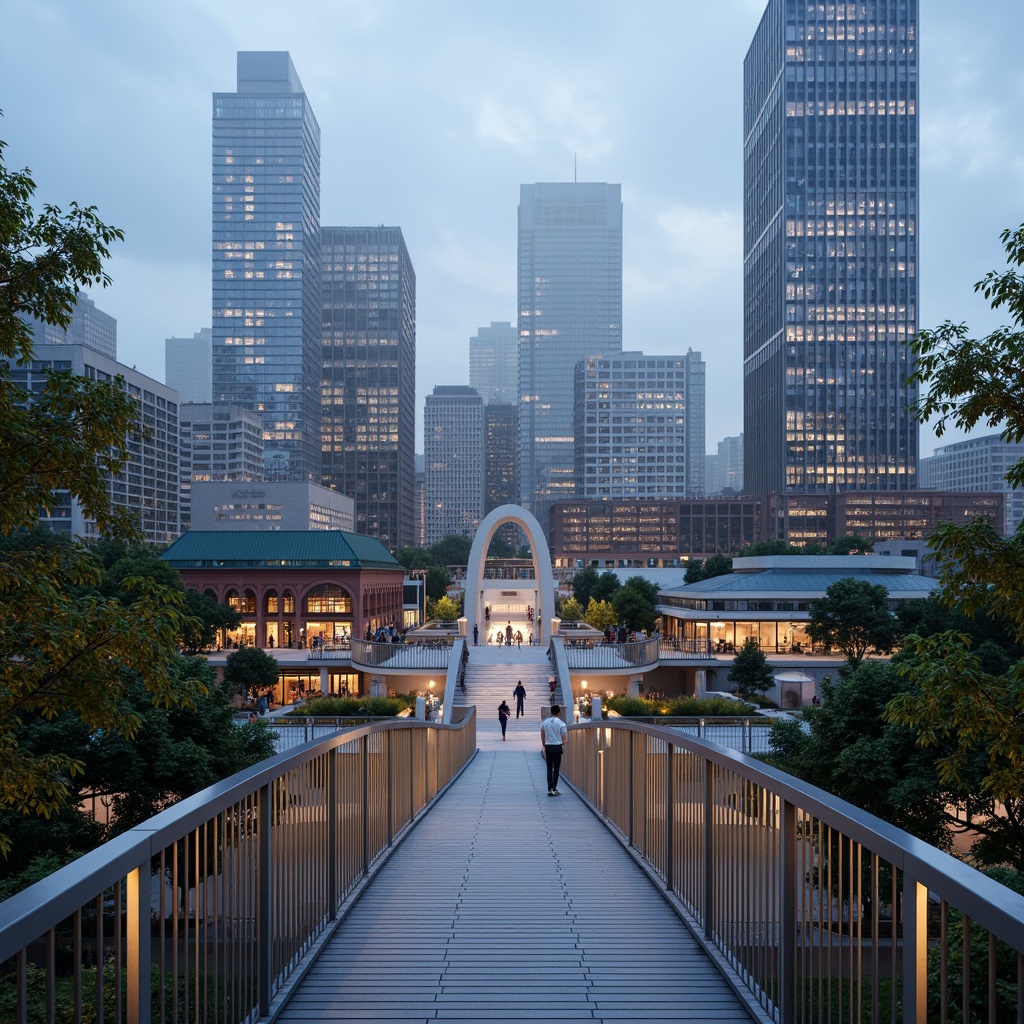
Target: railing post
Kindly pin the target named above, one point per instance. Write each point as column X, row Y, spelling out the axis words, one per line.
column 915, row 951
column 787, row 915
column 364, row 747
column 709, row 848
column 332, row 834
column 265, row 948
column 670, row 816
column 388, row 739
column 632, row 757
column 139, row 946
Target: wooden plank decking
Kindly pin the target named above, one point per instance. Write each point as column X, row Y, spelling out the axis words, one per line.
column 505, row 904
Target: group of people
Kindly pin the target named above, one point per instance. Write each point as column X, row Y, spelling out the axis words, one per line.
column 383, row 634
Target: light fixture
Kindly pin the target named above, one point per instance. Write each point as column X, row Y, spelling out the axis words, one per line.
column 431, row 684
column 584, row 684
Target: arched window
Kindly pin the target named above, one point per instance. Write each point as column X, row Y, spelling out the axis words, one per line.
column 288, row 603
column 212, row 594
column 248, row 603
column 270, row 602
column 232, row 600
column 328, row 600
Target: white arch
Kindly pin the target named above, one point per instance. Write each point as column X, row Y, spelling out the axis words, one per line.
column 541, row 567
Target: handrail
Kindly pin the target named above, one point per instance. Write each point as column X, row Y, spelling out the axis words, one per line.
column 585, row 654
column 430, row 654
column 249, row 876
column 815, row 905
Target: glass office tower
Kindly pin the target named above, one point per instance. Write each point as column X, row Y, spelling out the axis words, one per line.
column 369, row 378
column 830, row 247
column 570, row 307
column 266, row 260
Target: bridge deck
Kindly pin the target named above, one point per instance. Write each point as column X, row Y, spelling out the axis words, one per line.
column 505, row 904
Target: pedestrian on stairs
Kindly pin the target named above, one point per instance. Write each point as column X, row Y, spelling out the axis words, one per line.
column 520, row 695
column 503, row 712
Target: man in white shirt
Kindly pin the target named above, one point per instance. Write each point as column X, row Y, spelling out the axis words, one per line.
column 552, row 736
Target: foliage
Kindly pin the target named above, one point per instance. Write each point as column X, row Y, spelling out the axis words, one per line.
column 631, row 707
column 571, row 610
column 716, row 565
column 853, row 617
column 850, row 544
column 452, row 550
column 250, row 670
column 634, row 603
column 343, row 707
column 708, row 707
column 582, row 583
column 605, row 587
column 750, row 670
column 767, row 547
column 972, row 721
column 600, row 614
column 444, row 609
column 852, row 750
column 205, row 619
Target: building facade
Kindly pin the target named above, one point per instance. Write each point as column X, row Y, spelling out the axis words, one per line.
column 493, row 362
column 978, row 464
column 266, row 260
column 89, row 326
column 188, row 366
column 723, row 472
column 501, row 426
column 369, row 378
column 269, row 505
column 217, row 442
column 570, row 307
column 148, row 484
column 453, row 451
column 830, row 247
column 639, row 426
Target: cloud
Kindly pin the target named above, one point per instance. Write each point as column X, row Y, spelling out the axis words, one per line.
column 968, row 138
column 472, row 267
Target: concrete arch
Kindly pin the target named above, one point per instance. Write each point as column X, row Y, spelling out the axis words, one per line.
column 473, row 607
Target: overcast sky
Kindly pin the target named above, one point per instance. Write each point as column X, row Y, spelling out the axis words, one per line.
column 433, row 112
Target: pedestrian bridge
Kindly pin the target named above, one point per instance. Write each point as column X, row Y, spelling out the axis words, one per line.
column 414, row 871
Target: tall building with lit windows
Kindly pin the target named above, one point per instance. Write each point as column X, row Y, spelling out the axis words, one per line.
column 266, row 260
column 570, row 307
column 368, row 361
column 830, row 247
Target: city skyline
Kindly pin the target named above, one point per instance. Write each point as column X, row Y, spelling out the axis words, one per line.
column 113, row 65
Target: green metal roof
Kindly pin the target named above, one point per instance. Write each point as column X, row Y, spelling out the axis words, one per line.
column 268, row 549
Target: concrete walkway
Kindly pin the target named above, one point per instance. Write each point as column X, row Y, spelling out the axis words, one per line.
column 505, row 904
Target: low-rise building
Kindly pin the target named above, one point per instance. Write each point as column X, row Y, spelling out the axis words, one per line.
column 270, row 505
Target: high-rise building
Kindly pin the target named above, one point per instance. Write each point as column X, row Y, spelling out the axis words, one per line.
column 453, row 428
column 188, row 366
column 501, row 424
column 639, row 426
column 266, row 260
column 217, row 442
column 830, row 247
column 493, row 354
column 724, row 470
column 148, row 484
column 570, row 307
column 89, row 326
column 369, row 378
column 978, row 464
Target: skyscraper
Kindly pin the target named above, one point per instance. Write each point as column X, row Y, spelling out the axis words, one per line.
column 453, row 430
column 570, row 307
column 501, row 421
column 188, row 368
column 89, row 326
column 369, row 378
column 266, row 259
column 830, row 247
column 493, row 353
column 639, row 426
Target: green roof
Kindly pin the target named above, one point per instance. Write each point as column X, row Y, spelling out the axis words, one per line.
column 268, row 549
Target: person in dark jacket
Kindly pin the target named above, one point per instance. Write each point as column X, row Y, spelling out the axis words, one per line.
column 503, row 712
column 520, row 695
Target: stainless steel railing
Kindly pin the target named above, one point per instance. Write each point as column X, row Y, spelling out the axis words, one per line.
column 822, row 911
column 208, row 910
column 583, row 654
column 429, row 654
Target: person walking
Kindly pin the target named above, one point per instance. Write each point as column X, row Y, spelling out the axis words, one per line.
column 552, row 737
column 503, row 712
column 476, row 634
column 508, row 635
column 520, row 695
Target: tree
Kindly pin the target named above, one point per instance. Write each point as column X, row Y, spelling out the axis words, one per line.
column 694, row 571
column 452, row 550
column 444, row 609
column 635, row 602
column 850, row 544
column 717, row 565
column 600, row 614
column 571, row 610
column 750, row 670
column 854, row 617
column 583, row 583
column 956, row 703
column 205, row 620
column 250, row 670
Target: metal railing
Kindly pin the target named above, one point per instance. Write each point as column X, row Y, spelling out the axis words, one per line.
column 678, row 647
column 584, row 654
column 820, row 910
column 331, row 650
column 208, row 911
column 428, row 654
